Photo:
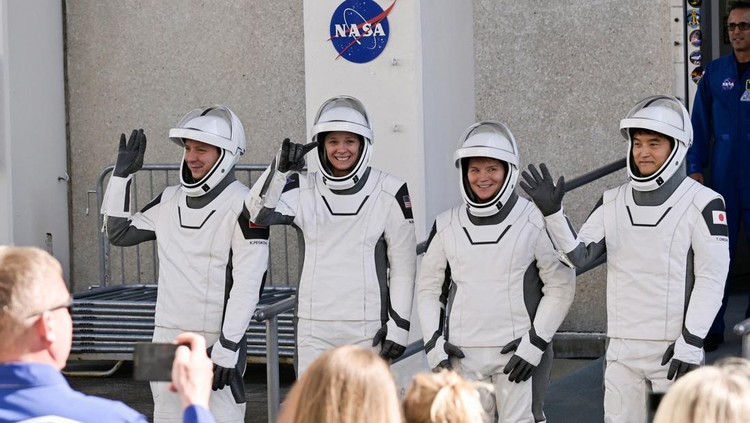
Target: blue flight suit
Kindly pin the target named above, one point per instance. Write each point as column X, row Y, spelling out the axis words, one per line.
column 721, row 112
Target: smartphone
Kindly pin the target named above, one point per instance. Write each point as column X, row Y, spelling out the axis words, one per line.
column 153, row 361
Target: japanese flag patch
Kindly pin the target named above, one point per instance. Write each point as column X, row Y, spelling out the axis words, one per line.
column 720, row 217
column 716, row 218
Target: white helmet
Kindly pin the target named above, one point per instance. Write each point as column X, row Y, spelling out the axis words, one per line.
column 494, row 140
column 342, row 113
column 667, row 116
column 215, row 125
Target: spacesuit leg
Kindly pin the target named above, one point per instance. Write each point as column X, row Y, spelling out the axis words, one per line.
column 512, row 401
column 314, row 337
column 625, row 379
column 167, row 404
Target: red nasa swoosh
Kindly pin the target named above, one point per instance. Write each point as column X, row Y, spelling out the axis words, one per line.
column 373, row 21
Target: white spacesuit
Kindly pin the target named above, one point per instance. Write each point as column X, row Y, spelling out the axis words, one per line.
column 665, row 237
column 491, row 283
column 212, row 260
column 357, row 281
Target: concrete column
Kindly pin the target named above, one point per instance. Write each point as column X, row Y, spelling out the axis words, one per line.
column 33, row 146
column 419, row 91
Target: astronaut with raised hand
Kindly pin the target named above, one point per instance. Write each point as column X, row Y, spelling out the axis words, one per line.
column 491, row 291
column 212, row 261
column 665, row 237
column 357, row 281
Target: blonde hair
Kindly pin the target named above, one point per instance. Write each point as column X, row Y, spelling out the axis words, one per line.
column 443, row 397
column 348, row 384
column 24, row 272
column 710, row 394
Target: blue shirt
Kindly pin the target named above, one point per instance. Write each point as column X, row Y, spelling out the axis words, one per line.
column 29, row 390
column 722, row 111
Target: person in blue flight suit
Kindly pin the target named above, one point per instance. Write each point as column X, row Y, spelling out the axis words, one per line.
column 721, row 148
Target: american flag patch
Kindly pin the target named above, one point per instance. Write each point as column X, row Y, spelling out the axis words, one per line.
column 407, row 201
column 719, row 217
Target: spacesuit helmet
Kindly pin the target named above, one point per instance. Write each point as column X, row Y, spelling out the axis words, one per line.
column 667, row 116
column 216, row 125
column 493, row 140
column 342, row 113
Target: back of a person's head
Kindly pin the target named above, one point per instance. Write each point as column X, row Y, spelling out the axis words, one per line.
column 348, row 384
column 23, row 272
column 442, row 397
column 710, row 394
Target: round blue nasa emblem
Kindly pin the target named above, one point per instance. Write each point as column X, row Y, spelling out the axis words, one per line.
column 359, row 30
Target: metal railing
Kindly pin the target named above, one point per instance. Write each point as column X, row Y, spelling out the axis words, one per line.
column 110, row 318
column 270, row 316
column 139, row 264
column 743, row 329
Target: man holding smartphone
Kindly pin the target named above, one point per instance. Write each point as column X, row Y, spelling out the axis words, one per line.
column 36, row 333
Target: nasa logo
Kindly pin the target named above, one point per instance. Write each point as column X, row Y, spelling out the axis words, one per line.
column 359, row 30
column 728, row 84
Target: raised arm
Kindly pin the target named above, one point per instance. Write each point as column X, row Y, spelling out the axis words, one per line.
column 122, row 228
column 574, row 249
column 273, row 197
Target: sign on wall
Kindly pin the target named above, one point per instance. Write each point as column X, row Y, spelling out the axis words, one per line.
column 359, row 30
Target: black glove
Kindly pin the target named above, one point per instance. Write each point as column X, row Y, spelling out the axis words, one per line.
column 452, row 351
column 677, row 368
column 130, row 155
column 292, row 156
column 222, row 377
column 546, row 195
column 520, row 370
column 388, row 349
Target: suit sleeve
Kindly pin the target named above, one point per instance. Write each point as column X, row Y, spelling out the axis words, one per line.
column 249, row 264
column 711, row 266
column 558, row 289
column 578, row 249
column 402, row 258
column 699, row 152
column 122, row 228
column 430, row 308
column 559, row 286
column 274, row 197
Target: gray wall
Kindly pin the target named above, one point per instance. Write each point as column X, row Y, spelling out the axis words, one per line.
column 144, row 64
column 561, row 74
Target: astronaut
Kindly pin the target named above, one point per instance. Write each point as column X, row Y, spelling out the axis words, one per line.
column 720, row 151
column 357, row 281
column 491, row 291
column 212, row 261
column 665, row 236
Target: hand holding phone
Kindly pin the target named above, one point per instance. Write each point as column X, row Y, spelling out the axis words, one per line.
column 192, row 371
column 153, row 361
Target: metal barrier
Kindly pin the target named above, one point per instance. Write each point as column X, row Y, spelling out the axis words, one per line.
column 110, row 318
column 271, row 315
column 743, row 329
column 139, row 264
